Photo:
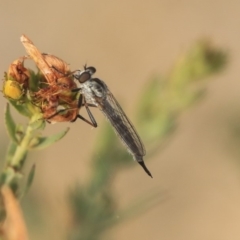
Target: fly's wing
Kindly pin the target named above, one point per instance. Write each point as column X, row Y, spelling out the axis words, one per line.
column 122, row 125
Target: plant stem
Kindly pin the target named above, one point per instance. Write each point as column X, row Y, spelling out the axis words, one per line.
column 21, row 150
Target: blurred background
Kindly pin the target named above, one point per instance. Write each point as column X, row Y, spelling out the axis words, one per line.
column 196, row 175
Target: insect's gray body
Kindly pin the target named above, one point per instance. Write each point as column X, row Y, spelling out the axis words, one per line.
column 97, row 93
column 93, row 92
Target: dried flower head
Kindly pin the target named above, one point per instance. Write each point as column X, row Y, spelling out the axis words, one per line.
column 48, row 92
column 54, row 92
column 18, row 72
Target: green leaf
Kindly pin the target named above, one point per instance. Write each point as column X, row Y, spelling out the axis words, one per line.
column 29, row 180
column 11, row 151
column 10, row 124
column 43, row 142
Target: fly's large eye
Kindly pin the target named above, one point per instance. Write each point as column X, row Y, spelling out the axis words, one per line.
column 84, row 77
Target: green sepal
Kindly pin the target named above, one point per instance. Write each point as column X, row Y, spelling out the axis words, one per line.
column 43, row 142
column 21, row 108
column 10, row 124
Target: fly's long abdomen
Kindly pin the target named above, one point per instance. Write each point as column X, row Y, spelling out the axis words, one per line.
column 124, row 129
column 121, row 128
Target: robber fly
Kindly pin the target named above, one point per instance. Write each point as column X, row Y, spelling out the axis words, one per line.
column 96, row 93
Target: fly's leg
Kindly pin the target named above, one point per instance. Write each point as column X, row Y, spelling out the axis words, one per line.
column 93, row 124
column 90, row 105
column 80, row 103
column 76, row 90
column 91, row 116
column 59, row 112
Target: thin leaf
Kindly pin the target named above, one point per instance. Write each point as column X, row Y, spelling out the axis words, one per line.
column 11, row 151
column 10, row 124
column 30, row 177
column 43, row 142
column 29, row 180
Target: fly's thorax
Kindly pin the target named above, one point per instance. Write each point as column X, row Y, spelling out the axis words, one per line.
column 94, row 90
column 99, row 88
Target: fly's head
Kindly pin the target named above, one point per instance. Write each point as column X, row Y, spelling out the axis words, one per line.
column 85, row 75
